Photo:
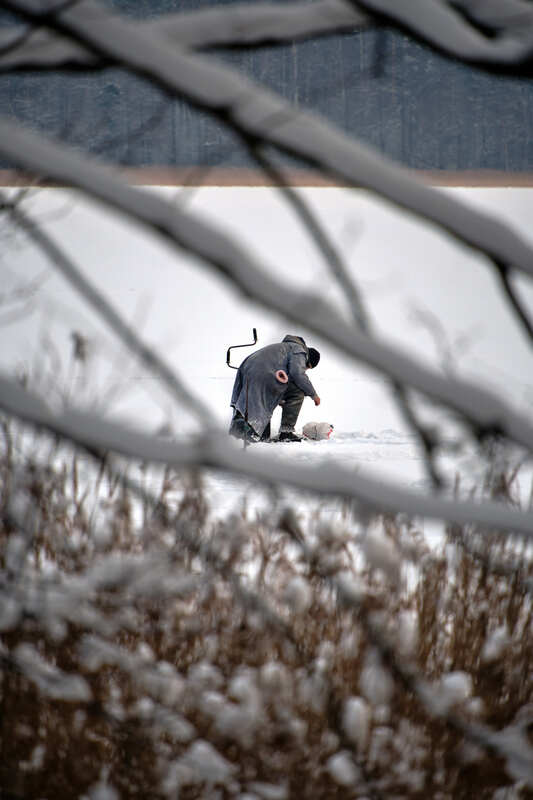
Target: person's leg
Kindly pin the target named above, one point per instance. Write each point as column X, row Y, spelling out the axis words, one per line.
column 242, row 429
column 265, row 436
column 292, row 403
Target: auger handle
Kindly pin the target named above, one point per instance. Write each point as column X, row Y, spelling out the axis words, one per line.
column 233, row 346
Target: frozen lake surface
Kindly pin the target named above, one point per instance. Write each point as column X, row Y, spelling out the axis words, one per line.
column 388, row 454
column 427, row 297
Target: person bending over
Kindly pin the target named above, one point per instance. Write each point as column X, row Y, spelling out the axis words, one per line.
column 271, row 376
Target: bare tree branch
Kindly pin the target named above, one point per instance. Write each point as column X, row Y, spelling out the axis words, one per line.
column 438, row 23
column 495, row 15
column 360, row 316
column 263, row 117
column 486, row 412
column 236, row 25
column 214, row 451
column 330, row 253
column 104, row 309
column 514, row 300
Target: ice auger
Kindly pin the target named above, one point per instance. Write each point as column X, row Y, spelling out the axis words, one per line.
column 233, row 346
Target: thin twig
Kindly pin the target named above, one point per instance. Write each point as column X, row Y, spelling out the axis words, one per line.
column 111, row 316
column 517, row 305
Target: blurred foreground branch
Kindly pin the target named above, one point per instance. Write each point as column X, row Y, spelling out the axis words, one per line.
column 213, row 450
column 484, row 411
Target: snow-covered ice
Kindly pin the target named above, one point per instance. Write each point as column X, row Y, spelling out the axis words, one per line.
column 389, row 454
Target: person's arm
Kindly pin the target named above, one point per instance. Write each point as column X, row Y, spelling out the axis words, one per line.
column 296, row 369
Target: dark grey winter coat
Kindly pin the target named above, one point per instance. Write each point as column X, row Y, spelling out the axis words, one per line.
column 258, row 372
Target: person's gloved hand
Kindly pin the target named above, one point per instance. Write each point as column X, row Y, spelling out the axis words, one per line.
column 316, row 400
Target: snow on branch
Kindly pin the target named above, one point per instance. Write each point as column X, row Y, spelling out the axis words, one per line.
column 51, row 681
column 439, row 23
column 495, row 15
column 510, row 743
column 108, row 586
column 214, row 451
column 486, row 33
column 237, row 25
column 482, row 409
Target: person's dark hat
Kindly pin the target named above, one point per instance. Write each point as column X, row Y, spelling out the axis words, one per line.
column 314, row 357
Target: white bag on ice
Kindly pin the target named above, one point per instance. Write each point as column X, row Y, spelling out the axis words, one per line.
column 317, row 430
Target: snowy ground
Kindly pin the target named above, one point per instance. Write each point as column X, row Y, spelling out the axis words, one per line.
column 435, row 300
column 388, row 454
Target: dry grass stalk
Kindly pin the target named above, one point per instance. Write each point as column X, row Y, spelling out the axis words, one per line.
column 157, row 651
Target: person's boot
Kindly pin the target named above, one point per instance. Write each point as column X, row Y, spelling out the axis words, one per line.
column 289, row 436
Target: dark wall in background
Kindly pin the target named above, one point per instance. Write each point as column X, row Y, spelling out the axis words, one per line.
column 409, row 103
